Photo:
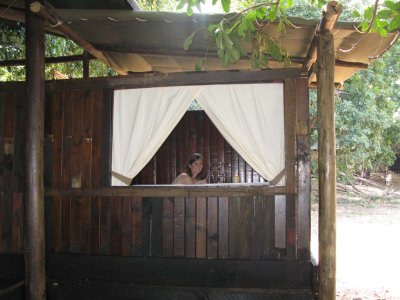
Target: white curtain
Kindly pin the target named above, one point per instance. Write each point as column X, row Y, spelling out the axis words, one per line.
column 143, row 119
column 249, row 116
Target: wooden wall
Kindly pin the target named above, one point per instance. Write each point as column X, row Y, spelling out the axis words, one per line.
column 77, row 154
column 195, row 133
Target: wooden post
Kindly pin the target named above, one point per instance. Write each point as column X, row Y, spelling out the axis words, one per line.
column 34, row 205
column 326, row 166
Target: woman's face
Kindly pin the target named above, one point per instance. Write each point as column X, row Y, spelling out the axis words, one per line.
column 196, row 167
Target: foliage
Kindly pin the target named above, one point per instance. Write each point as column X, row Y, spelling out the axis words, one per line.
column 13, row 48
column 367, row 125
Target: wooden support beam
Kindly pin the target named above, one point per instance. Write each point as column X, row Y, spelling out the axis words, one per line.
column 34, row 204
column 326, row 167
column 48, row 60
column 41, row 11
column 330, row 14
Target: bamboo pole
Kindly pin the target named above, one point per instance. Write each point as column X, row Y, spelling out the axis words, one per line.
column 34, row 204
column 326, row 167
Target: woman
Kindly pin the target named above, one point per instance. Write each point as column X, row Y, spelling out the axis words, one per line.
column 193, row 171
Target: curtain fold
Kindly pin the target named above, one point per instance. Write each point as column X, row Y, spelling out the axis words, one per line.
column 143, row 119
column 251, row 119
column 249, row 116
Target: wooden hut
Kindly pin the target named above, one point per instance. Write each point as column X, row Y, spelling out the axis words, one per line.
column 84, row 238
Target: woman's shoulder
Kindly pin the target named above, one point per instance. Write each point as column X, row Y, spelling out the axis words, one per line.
column 183, row 178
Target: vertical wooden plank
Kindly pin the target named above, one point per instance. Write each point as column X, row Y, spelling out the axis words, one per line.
column 126, row 227
column 199, row 131
column 2, row 141
column 136, row 226
column 242, row 169
column 303, row 169
column 246, row 230
column 107, row 136
column 19, row 164
column 223, row 227
column 260, row 230
column 192, row 131
column 76, row 171
column 146, row 227
column 234, row 227
column 221, row 155
column 280, row 221
column 66, row 170
column 156, row 227
column 173, row 172
column 212, row 227
column 17, row 221
column 269, row 239
column 186, row 137
column 95, row 226
column 96, row 163
column 190, row 227
column 235, row 163
column 201, row 227
column 179, row 227
column 248, row 172
column 213, row 145
column 206, row 142
column 168, row 227
column 291, row 163
column 115, row 232
column 86, row 171
column 105, row 225
column 228, row 162
column 180, row 159
column 8, row 172
column 57, row 117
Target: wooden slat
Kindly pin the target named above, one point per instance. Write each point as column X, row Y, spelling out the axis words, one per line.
column 228, row 162
column 95, row 225
column 223, row 227
column 19, row 165
column 290, row 162
column 156, row 227
column 107, row 137
column 199, row 131
column 206, row 143
column 2, row 125
column 105, row 225
column 235, row 163
column 246, row 229
column 173, row 172
column 115, row 232
column 76, row 167
column 8, row 173
column 17, row 221
column 190, row 227
column 126, row 227
column 179, row 227
column 261, row 231
column 242, row 169
column 56, row 170
column 85, row 214
column 201, row 227
column 146, row 227
column 136, row 226
column 192, row 132
column 269, row 239
column 180, row 158
column 168, row 227
column 212, row 227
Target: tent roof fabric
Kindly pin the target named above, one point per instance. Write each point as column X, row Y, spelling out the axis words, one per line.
column 149, row 41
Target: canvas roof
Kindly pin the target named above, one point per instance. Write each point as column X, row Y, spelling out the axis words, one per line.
column 148, row 41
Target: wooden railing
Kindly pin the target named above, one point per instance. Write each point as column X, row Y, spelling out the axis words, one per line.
column 204, row 221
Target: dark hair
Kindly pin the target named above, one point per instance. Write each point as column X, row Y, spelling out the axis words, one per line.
column 192, row 158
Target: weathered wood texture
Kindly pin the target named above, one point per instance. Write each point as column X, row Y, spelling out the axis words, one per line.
column 326, row 168
column 82, row 220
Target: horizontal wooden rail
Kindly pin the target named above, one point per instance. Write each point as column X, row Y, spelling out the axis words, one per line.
column 225, row 190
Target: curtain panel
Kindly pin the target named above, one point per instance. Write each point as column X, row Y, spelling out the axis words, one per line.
column 249, row 116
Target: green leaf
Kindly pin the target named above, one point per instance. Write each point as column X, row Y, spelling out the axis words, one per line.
column 356, row 14
column 199, row 64
column 218, row 40
column 226, row 5
column 368, row 13
column 181, row 4
column 189, row 11
column 227, row 41
column 212, row 27
column 390, row 4
column 384, row 14
column 214, row 2
column 188, row 42
column 394, row 24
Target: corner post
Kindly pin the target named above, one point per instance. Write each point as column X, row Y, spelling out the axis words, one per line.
column 326, row 166
column 34, row 206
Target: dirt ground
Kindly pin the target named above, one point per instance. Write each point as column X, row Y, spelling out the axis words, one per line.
column 368, row 245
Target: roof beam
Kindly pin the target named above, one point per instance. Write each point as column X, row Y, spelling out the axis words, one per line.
column 330, row 14
column 44, row 13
